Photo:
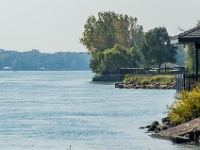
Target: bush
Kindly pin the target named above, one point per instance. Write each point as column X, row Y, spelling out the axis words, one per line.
column 128, row 78
column 144, row 82
column 187, row 107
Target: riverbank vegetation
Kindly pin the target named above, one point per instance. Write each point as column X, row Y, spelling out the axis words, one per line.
column 187, row 107
column 143, row 80
column 117, row 41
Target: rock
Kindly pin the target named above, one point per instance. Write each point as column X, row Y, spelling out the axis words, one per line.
column 184, row 132
column 148, row 126
column 120, row 86
column 116, row 84
column 158, row 129
column 155, row 123
column 157, row 86
column 154, row 126
column 163, row 86
column 180, row 139
column 187, row 136
column 166, row 121
column 164, row 127
column 141, row 127
column 137, row 86
column 196, row 132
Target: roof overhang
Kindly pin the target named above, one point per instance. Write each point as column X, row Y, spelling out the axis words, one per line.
column 188, row 37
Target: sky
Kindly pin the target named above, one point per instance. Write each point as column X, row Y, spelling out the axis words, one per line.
column 57, row 25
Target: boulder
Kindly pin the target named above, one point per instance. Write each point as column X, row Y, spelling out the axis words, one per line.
column 148, row 126
column 141, row 127
column 154, row 126
column 180, row 139
column 120, row 86
column 155, row 123
column 196, row 132
column 137, row 86
column 116, row 84
column 166, row 121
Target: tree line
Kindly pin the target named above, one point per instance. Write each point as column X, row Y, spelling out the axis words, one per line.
column 35, row 60
column 117, row 41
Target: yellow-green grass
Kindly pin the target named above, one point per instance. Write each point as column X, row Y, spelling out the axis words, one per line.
column 144, row 79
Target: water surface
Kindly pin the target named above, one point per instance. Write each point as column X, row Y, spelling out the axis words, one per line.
column 53, row 110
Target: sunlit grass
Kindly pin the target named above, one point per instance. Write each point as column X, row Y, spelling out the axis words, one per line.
column 158, row 79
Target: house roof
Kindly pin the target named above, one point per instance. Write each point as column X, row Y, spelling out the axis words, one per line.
column 188, row 37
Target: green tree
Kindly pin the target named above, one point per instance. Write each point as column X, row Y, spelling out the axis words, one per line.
column 156, row 47
column 108, row 30
column 101, row 34
column 114, row 58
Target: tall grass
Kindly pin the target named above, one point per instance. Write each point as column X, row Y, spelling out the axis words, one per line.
column 159, row 79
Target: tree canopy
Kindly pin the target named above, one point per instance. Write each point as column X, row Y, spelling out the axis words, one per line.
column 34, row 60
column 156, row 48
column 113, row 40
column 109, row 29
column 117, row 41
column 112, row 59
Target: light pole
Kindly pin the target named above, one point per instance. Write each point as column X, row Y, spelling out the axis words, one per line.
column 165, row 43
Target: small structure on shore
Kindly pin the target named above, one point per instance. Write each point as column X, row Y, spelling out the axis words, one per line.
column 192, row 36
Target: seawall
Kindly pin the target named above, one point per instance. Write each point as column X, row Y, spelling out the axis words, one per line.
column 114, row 78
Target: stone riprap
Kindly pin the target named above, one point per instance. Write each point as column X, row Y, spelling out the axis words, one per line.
column 121, row 85
column 182, row 133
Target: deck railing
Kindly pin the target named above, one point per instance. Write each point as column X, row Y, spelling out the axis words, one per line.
column 186, row 81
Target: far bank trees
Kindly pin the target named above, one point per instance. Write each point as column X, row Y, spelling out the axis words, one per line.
column 34, row 60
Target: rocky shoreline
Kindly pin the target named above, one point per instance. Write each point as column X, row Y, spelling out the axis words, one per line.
column 122, row 85
column 188, row 132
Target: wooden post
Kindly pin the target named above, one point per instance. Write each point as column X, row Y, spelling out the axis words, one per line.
column 197, row 46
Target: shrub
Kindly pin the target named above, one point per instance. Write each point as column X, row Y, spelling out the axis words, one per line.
column 128, row 78
column 144, row 82
column 187, row 107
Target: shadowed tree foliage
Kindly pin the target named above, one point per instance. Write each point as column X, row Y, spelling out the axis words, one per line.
column 114, row 58
column 156, row 47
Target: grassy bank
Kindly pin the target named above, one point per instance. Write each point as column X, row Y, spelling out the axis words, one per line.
column 156, row 79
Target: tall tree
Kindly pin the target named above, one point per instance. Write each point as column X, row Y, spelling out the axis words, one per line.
column 104, row 32
column 156, row 47
column 108, row 30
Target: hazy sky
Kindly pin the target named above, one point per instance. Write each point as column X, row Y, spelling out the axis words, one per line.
column 56, row 25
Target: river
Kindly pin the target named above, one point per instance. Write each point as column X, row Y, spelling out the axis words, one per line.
column 52, row 110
